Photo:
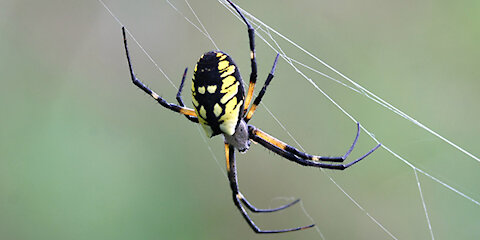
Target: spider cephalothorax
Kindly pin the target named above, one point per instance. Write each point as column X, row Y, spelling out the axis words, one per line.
column 222, row 107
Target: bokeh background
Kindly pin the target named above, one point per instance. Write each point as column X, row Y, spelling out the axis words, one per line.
column 86, row 155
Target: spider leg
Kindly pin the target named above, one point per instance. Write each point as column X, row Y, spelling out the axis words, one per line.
column 238, row 197
column 180, row 109
column 262, row 92
column 326, row 158
column 180, row 88
column 179, row 97
column 258, row 210
column 302, row 158
column 253, row 74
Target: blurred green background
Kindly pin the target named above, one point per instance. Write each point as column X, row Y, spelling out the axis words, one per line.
column 86, row 155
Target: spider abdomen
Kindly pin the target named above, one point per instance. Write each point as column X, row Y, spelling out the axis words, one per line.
column 217, row 93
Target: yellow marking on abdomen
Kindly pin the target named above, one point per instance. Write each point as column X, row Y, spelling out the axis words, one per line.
column 230, row 69
column 203, row 113
column 227, row 82
column 212, row 88
column 202, row 120
column 195, row 102
column 222, row 57
column 230, row 118
column 201, row 90
column 217, row 110
column 222, row 65
column 231, row 91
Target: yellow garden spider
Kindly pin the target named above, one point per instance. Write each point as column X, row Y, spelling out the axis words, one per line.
column 221, row 107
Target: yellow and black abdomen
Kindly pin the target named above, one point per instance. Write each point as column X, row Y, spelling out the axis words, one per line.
column 217, row 93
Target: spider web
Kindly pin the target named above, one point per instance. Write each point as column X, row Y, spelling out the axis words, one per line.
column 280, row 43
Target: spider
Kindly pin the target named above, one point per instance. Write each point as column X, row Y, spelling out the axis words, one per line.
column 221, row 107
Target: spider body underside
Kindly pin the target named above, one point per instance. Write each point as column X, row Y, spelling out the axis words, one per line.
column 222, row 107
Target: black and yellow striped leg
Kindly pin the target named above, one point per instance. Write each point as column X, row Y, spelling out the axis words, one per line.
column 302, row 158
column 180, row 100
column 238, row 198
column 329, row 159
column 160, row 100
column 262, row 92
column 253, row 74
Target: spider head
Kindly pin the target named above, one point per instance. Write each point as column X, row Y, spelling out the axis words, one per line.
column 240, row 139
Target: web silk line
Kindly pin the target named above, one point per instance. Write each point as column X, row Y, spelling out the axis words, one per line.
column 370, row 96
column 374, row 98
column 353, row 119
column 161, row 70
column 364, row 91
column 201, row 24
column 424, row 205
column 331, row 178
column 138, row 44
column 204, row 31
column 203, row 138
column 202, row 134
column 186, row 18
column 158, row 67
column 288, row 60
column 283, row 127
column 206, row 34
column 291, row 199
column 295, row 140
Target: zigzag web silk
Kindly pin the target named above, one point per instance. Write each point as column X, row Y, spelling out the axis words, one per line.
column 262, row 28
